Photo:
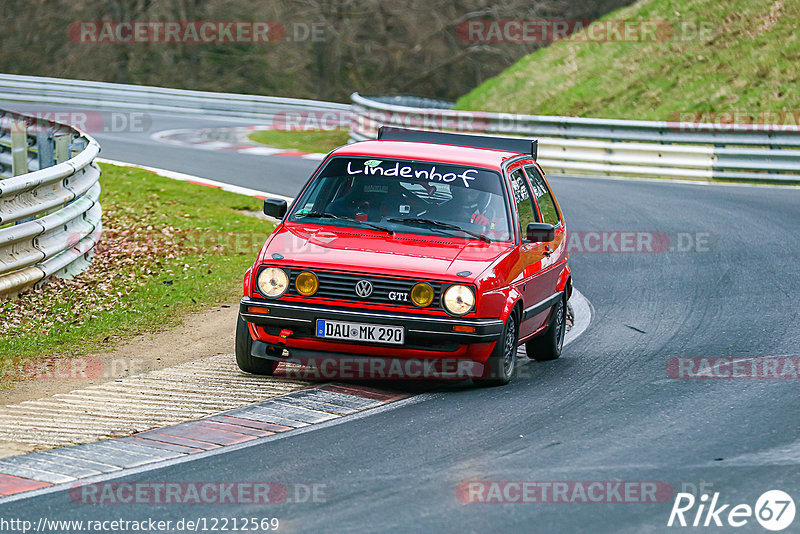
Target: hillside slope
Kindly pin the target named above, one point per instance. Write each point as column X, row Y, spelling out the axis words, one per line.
column 745, row 58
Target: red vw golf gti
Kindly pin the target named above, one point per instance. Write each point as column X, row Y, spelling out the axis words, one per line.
column 416, row 255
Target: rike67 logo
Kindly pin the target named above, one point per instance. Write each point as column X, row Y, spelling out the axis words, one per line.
column 774, row 510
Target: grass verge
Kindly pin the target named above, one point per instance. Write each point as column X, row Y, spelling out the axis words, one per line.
column 736, row 56
column 169, row 248
column 305, row 140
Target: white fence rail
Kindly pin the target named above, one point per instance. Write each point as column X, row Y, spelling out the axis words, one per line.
column 147, row 98
column 572, row 145
column 50, row 217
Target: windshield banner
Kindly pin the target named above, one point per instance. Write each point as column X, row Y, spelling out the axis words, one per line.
column 409, row 171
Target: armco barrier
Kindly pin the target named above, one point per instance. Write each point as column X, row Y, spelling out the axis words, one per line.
column 147, row 98
column 572, row 145
column 50, row 217
column 567, row 145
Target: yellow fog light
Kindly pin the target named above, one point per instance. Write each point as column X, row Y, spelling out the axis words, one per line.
column 306, row 283
column 422, row 294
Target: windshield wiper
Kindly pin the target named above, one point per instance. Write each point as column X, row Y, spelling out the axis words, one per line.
column 439, row 224
column 327, row 215
column 317, row 215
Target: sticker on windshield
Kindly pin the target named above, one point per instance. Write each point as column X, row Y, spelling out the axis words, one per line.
column 378, row 168
column 371, row 188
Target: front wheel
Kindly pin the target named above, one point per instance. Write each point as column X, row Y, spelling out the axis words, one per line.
column 500, row 366
column 547, row 346
column 246, row 361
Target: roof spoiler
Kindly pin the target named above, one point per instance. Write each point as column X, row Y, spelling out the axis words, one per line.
column 509, row 144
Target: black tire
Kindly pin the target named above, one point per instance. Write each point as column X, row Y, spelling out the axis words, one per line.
column 502, row 363
column 245, row 361
column 547, row 346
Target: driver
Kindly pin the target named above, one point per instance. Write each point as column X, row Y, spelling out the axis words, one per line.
column 476, row 204
column 363, row 200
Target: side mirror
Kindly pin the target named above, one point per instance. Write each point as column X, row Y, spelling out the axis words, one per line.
column 540, row 232
column 274, row 207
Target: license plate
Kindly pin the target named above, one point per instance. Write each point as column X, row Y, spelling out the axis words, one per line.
column 373, row 333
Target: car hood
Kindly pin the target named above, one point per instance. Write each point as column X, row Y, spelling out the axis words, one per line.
column 401, row 254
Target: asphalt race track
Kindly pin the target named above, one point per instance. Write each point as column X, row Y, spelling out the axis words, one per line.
column 606, row 411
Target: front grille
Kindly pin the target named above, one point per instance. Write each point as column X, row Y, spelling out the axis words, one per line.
column 341, row 286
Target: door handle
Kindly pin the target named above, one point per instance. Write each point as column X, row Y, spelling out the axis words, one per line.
column 547, row 251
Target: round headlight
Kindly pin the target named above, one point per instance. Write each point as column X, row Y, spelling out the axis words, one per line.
column 272, row 282
column 422, row 294
column 459, row 299
column 306, row 283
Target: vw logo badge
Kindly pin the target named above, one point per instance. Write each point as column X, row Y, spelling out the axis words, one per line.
column 364, row 288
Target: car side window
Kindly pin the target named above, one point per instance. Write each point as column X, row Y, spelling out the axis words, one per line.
column 522, row 198
column 543, row 197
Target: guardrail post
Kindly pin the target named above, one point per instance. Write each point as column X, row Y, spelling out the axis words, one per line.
column 45, row 146
column 19, row 148
column 62, row 147
column 19, row 155
column 78, row 146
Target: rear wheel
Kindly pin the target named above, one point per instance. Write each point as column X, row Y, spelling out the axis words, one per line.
column 547, row 346
column 500, row 366
column 247, row 362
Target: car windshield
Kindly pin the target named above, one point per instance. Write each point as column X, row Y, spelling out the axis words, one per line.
column 407, row 196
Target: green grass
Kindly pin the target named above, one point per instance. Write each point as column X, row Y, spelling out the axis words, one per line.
column 747, row 60
column 305, row 141
column 169, row 248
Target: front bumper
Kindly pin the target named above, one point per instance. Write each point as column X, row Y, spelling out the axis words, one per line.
column 422, row 331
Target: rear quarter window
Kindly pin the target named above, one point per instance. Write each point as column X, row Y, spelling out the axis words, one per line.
column 522, row 198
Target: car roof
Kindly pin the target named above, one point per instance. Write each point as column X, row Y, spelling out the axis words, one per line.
column 413, row 150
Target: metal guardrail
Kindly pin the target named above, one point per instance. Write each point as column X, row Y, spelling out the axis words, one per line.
column 572, row 145
column 148, row 98
column 50, row 217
